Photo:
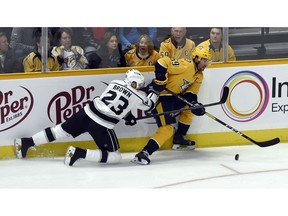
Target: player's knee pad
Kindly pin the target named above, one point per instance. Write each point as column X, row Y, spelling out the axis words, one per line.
column 59, row 133
column 186, row 117
column 163, row 133
column 114, row 157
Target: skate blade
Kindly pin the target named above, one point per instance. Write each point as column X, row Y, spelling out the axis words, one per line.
column 17, row 148
column 177, row 147
column 69, row 153
column 136, row 161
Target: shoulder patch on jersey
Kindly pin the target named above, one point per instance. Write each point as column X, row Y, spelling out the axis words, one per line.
column 167, row 40
column 131, row 51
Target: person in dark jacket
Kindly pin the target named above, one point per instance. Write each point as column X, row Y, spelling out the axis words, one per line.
column 110, row 52
column 9, row 63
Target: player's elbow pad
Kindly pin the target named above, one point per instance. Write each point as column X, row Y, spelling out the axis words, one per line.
column 160, row 74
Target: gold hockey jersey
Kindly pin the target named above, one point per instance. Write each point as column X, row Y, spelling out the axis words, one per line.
column 32, row 63
column 217, row 54
column 172, row 50
column 181, row 75
column 133, row 59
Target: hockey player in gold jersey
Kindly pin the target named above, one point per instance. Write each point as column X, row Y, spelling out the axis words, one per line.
column 183, row 77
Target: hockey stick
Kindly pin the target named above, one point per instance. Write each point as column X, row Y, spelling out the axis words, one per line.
column 175, row 112
column 261, row 144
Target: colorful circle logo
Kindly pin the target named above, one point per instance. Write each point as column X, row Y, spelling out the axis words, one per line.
column 252, row 94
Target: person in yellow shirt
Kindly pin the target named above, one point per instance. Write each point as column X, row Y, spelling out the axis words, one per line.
column 215, row 47
column 177, row 46
column 183, row 77
column 144, row 53
column 32, row 62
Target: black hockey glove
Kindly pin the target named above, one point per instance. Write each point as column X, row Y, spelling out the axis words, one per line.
column 199, row 112
column 130, row 119
column 158, row 86
column 189, row 96
column 154, row 87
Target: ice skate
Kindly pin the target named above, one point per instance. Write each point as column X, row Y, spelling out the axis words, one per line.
column 181, row 143
column 141, row 158
column 22, row 145
column 71, row 156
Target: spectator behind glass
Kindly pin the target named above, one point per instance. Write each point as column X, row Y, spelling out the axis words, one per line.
column 69, row 57
column 110, row 52
column 144, row 53
column 32, row 62
column 9, row 63
column 92, row 57
column 22, row 40
column 214, row 45
column 129, row 36
column 177, row 46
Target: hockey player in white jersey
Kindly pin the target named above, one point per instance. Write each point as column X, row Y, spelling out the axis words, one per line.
column 98, row 118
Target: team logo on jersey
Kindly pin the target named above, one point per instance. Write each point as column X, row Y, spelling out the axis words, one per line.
column 15, row 105
column 70, row 61
column 185, row 85
column 187, row 52
column 252, row 94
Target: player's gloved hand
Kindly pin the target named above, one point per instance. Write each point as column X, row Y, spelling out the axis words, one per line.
column 189, row 96
column 158, row 86
column 153, row 97
column 154, row 87
column 130, row 119
column 200, row 111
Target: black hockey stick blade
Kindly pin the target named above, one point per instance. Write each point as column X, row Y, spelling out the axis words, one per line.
column 268, row 142
column 225, row 94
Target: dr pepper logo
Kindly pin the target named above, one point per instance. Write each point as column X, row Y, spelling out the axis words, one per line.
column 15, row 105
column 64, row 104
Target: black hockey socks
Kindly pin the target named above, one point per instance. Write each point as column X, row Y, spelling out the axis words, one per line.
column 49, row 134
column 182, row 128
column 151, row 146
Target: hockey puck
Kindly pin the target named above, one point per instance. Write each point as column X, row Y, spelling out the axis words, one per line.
column 237, row 157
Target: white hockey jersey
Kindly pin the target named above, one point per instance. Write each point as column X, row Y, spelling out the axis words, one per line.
column 116, row 102
column 69, row 58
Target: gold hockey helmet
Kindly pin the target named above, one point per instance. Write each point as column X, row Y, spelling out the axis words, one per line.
column 201, row 52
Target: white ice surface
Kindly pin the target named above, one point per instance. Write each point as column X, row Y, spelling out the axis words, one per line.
column 205, row 175
column 202, row 168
